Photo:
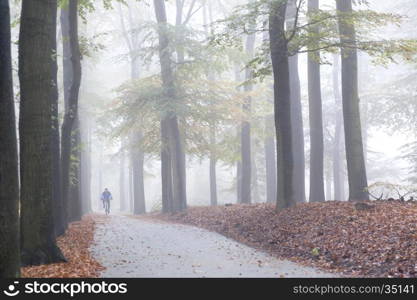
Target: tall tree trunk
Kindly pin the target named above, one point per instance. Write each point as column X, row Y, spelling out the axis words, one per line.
column 166, row 169
column 9, row 184
column 351, row 112
column 328, row 184
column 297, row 125
column 282, row 96
column 58, row 208
column 37, row 73
column 270, row 162
column 213, row 161
column 75, row 185
column 69, row 22
column 86, row 166
column 122, row 178
column 246, row 181
column 239, row 133
column 180, row 24
column 210, row 76
column 316, row 117
column 337, row 164
column 131, row 188
column 137, row 157
column 256, row 198
column 174, row 137
column 138, row 176
column 67, row 79
column 100, row 179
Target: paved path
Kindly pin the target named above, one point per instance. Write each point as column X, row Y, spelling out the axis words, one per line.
column 133, row 247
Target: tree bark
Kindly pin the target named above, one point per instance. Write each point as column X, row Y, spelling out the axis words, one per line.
column 316, row 117
column 136, row 154
column 246, row 149
column 213, row 161
column 122, row 178
column 297, row 125
column 337, row 164
column 270, row 162
column 351, row 112
column 282, row 96
column 210, row 76
column 166, row 169
column 9, row 184
column 328, row 194
column 239, row 133
column 169, row 119
column 69, row 21
column 59, row 222
column 75, row 185
column 100, row 179
column 86, row 166
column 139, row 206
column 37, row 67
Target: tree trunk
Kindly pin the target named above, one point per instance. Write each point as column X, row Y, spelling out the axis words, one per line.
column 296, row 116
column 75, row 185
column 316, row 117
column 210, row 76
column 100, row 179
column 213, row 161
column 239, row 162
column 282, row 96
column 86, row 166
column 138, row 177
column 58, row 208
column 270, row 162
column 352, row 122
column 328, row 185
column 246, row 180
column 9, row 184
column 69, row 24
column 37, row 73
column 166, row 169
column 337, row 164
column 169, row 121
column 122, row 178
column 256, row 198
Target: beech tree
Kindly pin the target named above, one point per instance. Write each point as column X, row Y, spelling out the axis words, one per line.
column 70, row 127
column 297, row 125
column 173, row 165
column 9, row 184
column 37, row 73
column 315, row 114
column 357, row 178
column 282, row 104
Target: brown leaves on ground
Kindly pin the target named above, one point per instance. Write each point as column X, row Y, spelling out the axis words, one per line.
column 74, row 244
column 336, row 236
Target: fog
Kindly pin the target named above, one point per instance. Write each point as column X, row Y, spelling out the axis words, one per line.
column 107, row 67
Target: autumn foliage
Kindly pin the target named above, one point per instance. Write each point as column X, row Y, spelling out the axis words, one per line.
column 378, row 241
column 74, row 245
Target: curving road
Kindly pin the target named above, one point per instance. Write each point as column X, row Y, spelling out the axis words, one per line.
column 135, row 247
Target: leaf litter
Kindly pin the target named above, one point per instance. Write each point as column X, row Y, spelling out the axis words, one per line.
column 74, row 244
column 334, row 236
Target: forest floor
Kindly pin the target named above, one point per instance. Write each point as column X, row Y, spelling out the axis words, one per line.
column 74, row 244
column 136, row 247
column 377, row 240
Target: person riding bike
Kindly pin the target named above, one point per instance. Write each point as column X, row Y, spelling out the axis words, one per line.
column 106, row 197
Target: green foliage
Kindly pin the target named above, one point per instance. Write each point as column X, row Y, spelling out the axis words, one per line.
column 201, row 103
column 86, row 7
column 302, row 37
